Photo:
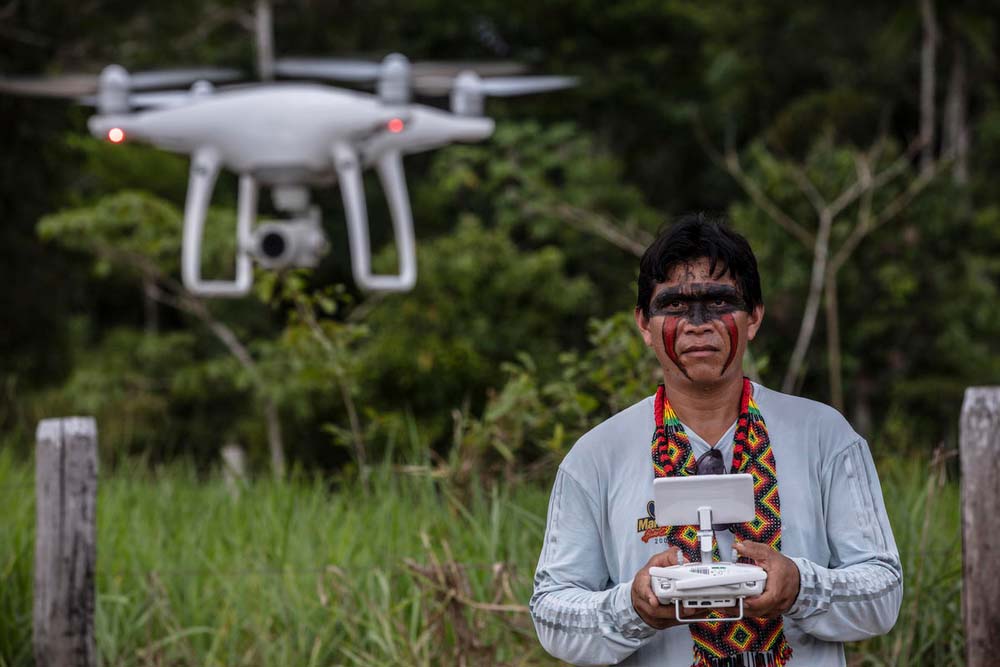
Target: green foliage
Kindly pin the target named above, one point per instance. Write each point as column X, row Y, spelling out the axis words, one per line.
column 146, row 392
column 128, row 224
column 108, row 167
column 297, row 573
column 924, row 506
column 139, row 232
column 292, row 573
column 912, row 299
column 545, row 185
column 518, row 337
column 537, row 416
column 848, row 115
column 479, row 300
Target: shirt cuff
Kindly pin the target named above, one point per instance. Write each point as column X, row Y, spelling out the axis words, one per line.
column 795, row 611
column 630, row 623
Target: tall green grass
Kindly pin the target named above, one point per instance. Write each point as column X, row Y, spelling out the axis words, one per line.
column 924, row 506
column 411, row 572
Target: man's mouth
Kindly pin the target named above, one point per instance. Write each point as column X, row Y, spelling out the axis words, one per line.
column 700, row 350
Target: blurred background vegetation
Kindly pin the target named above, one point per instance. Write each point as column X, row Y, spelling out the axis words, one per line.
column 853, row 143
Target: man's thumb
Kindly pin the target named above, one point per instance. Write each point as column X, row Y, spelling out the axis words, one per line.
column 755, row 550
column 665, row 558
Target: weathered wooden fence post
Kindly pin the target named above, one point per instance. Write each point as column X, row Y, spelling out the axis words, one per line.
column 979, row 449
column 65, row 542
column 234, row 468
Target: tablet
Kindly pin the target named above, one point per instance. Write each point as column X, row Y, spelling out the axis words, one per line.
column 679, row 498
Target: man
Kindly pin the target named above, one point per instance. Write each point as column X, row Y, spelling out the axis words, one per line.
column 820, row 529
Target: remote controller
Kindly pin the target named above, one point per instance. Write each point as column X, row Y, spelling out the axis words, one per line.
column 707, row 586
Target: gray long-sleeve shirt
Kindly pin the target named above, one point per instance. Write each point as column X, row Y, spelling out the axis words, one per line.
column 833, row 521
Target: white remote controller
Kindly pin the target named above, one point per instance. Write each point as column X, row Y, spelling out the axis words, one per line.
column 702, row 500
column 707, row 586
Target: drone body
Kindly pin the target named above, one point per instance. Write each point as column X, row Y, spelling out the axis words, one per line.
column 292, row 136
column 283, row 133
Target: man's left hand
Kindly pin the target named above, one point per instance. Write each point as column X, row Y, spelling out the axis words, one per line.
column 782, row 586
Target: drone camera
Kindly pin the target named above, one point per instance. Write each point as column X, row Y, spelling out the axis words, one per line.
column 281, row 244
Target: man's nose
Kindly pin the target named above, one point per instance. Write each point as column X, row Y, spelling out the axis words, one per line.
column 698, row 322
column 698, row 327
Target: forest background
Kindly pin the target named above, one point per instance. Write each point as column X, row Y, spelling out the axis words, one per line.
column 853, row 143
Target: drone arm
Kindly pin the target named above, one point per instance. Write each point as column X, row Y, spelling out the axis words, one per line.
column 204, row 170
column 390, row 170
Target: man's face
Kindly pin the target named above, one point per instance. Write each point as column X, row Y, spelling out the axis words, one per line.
column 698, row 325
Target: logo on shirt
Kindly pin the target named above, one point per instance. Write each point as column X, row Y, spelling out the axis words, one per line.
column 647, row 526
column 649, row 521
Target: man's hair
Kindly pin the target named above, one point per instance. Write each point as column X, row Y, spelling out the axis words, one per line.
column 691, row 238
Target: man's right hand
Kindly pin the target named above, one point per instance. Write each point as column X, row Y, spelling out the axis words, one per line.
column 644, row 600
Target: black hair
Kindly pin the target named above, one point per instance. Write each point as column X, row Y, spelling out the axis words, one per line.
column 690, row 238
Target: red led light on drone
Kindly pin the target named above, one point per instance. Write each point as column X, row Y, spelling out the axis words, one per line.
column 116, row 135
column 395, row 125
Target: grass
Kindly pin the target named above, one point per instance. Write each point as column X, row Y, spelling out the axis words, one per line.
column 924, row 507
column 413, row 573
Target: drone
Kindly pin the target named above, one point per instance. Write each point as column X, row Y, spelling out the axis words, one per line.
column 291, row 136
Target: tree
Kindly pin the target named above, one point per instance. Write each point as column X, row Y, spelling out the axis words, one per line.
column 138, row 233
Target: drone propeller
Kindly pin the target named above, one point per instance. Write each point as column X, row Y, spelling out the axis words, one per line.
column 66, row 85
column 164, row 99
column 468, row 89
column 500, row 86
column 182, row 77
column 79, row 85
column 365, row 71
column 327, row 68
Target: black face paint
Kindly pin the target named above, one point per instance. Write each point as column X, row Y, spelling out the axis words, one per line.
column 698, row 303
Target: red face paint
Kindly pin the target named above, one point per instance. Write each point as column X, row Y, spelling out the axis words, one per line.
column 734, row 339
column 670, row 341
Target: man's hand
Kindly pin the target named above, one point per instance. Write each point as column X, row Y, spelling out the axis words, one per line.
column 782, row 586
column 644, row 600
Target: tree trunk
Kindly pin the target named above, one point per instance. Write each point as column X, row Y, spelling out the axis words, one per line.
column 264, row 34
column 274, row 438
column 928, row 53
column 150, row 306
column 821, row 253
column 861, row 414
column 955, row 134
column 833, row 343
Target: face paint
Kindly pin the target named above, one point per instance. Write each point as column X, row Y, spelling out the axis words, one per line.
column 734, row 339
column 698, row 304
column 669, row 334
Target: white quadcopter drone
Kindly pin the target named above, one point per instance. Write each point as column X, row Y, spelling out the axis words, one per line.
column 292, row 135
column 701, row 500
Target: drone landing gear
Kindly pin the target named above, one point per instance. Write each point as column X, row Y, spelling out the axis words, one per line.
column 390, row 171
column 201, row 181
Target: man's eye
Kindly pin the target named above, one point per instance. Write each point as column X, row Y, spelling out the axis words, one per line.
column 719, row 303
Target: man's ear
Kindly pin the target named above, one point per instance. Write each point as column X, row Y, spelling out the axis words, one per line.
column 754, row 321
column 642, row 322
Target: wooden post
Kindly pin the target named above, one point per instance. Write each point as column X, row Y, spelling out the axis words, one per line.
column 65, row 542
column 979, row 449
column 234, row 468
